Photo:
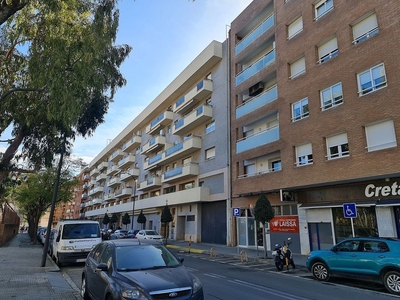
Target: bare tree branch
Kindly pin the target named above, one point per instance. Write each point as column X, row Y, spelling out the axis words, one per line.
column 8, row 93
column 8, row 8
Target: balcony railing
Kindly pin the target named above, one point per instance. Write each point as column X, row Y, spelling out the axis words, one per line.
column 127, row 161
column 256, row 67
column 256, row 102
column 257, row 32
column 258, row 139
column 123, row 192
column 150, row 183
column 152, row 162
column 200, row 115
column 103, row 165
column 154, row 144
column 109, row 196
column 116, row 155
column 94, row 172
column 112, row 170
column 203, row 89
column 162, row 120
column 188, row 170
column 131, row 173
column 101, row 177
column 132, row 144
column 96, row 190
column 182, row 149
column 114, row 181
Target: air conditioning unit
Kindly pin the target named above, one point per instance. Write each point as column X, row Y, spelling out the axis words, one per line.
column 256, row 89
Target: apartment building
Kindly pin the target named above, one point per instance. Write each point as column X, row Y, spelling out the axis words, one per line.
column 175, row 153
column 315, row 120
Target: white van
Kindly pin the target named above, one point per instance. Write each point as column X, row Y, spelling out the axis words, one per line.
column 74, row 239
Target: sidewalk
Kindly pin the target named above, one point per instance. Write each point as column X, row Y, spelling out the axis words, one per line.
column 222, row 250
column 22, row 277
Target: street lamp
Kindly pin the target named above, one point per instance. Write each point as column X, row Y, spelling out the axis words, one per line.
column 133, row 208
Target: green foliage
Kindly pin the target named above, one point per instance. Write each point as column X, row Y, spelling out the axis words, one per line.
column 166, row 215
column 141, row 218
column 60, row 71
column 106, row 219
column 113, row 219
column 126, row 219
column 263, row 211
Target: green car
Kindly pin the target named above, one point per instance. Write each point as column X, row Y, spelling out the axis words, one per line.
column 370, row 259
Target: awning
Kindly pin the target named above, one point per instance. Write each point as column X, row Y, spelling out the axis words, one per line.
column 337, row 204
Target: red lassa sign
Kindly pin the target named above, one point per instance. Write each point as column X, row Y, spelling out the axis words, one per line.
column 284, row 224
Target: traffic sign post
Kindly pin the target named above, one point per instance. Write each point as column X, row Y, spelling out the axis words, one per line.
column 350, row 212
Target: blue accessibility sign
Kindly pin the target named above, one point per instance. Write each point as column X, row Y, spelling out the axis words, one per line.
column 236, row 211
column 350, row 210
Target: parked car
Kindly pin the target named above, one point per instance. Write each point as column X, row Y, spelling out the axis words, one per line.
column 120, row 233
column 131, row 234
column 370, row 259
column 148, row 235
column 133, row 269
column 51, row 236
column 42, row 236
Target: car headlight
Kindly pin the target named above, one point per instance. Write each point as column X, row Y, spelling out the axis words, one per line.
column 196, row 285
column 67, row 248
column 132, row 293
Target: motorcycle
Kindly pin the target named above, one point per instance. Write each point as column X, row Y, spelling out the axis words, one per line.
column 283, row 256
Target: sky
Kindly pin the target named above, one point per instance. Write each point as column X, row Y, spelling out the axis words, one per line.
column 165, row 36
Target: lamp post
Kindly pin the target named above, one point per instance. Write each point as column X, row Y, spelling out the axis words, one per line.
column 133, row 205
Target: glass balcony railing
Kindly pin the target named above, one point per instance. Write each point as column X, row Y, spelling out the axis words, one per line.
column 256, row 67
column 252, row 36
column 258, row 139
column 174, row 172
column 174, row 149
column 256, row 102
column 156, row 120
column 155, row 159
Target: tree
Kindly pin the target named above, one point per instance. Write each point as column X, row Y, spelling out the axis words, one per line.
column 60, row 71
column 113, row 220
column 106, row 220
column 166, row 218
column 263, row 213
column 141, row 218
column 126, row 219
column 34, row 195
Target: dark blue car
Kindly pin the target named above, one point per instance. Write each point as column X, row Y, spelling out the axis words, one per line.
column 370, row 259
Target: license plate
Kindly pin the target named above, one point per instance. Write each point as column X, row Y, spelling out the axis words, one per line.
column 81, row 260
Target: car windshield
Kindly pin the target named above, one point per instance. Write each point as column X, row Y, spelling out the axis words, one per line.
column 151, row 232
column 133, row 258
column 80, row 231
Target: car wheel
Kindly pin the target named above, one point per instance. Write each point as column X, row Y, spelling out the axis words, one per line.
column 320, row 271
column 392, row 282
column 59, row 264
column 84, row 291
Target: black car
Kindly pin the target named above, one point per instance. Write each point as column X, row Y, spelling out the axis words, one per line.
column 133, row 269
column 131, row 234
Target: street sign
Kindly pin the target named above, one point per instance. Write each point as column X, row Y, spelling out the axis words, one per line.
column 236, row 211
column 349, row 210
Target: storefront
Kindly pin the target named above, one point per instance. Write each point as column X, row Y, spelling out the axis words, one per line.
column 325, row 223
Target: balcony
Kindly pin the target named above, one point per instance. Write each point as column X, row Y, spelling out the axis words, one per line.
column 94, row 172
column 123, row 192
column 103, row 165
column 93, row 181
column 96, row 190
column 165, row 118
column 199, row 116
column 256, row 102
column 182, row 172
column 182, row 149
column 132, row 144
column 84, row 196
column 258, row 139
column 117, row 155
column 85, row 186
column 129, row 174
column 256, row 33
column 109, row 196
column 150, row 183
column 112, row 170
column 154, row 144
column 86, row 177
column 114, row 182
column 127, row 161
column 96, row 201
column 203, row 89
column 101, row 177
column 152, row 162
column 256, row 67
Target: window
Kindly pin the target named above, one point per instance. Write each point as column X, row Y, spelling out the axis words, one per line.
column 300, row 110
column 295, row 27
column 327, row 50
column 337, row 146
column 332, row 96
column 298, row 67
column 304, row 155
column 323, row 7
column 276, row 165
column 190, row 218
column 371, row 80
column 380, row 136
column 210, row 127
column 210, row 153
column 365, row 28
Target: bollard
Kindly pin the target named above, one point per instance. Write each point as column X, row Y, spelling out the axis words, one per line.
column 245, row 256
column 213, row 252
column 190, row 242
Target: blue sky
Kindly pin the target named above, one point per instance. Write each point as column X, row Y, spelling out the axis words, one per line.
column 166, row 35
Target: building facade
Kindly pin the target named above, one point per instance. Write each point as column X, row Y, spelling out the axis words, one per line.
column 175, row 153
column 315, row 120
